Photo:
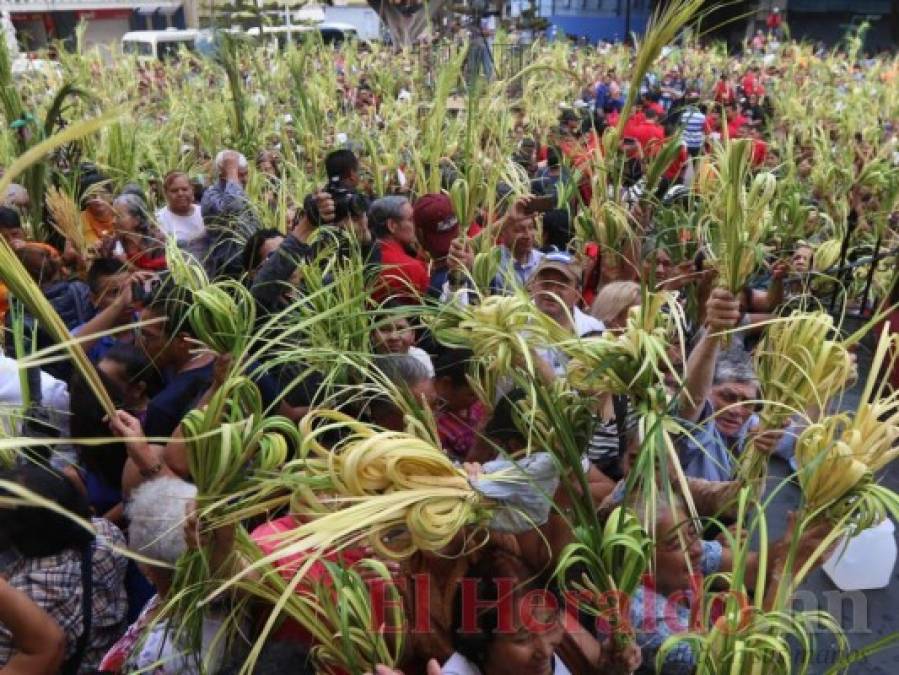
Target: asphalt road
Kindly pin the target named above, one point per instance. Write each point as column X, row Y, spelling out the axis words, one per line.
column 866, row 616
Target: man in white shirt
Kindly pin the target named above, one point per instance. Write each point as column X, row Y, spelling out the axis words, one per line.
column 54, row 397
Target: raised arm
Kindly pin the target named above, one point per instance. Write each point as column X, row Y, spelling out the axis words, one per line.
column 722, row 313
column 38, row 639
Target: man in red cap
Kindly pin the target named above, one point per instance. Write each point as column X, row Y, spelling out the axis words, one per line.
column 436, row 227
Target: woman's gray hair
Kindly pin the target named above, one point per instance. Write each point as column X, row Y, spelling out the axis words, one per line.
column 382, row 210
column 136, row 207
column 133, row 204
column 156, row 514
column 734, row 365
column 401, row 369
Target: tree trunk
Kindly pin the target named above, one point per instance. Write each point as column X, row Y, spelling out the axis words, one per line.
column 406, row 27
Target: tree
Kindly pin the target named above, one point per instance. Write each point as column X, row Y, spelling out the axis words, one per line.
column 407, row 20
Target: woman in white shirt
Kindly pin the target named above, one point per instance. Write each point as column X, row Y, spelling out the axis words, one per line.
column 180, row 218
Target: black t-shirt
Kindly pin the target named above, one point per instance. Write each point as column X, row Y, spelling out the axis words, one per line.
column 180, row 395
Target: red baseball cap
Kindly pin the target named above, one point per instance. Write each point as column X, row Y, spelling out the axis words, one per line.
column 436, row 223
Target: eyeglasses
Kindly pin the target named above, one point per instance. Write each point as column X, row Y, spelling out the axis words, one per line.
column 733, row 398
column 682, row 539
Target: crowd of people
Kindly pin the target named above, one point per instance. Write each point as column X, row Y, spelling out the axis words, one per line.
column 79, row 600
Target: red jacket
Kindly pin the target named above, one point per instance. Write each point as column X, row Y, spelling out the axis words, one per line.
column 657, row 107
column 674, row 169
column 734, row 125
column 401, row 275
column 759, row 152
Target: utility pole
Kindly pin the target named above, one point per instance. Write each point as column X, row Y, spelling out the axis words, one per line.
column 627, row 21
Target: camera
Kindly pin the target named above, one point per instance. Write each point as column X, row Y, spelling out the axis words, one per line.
column 347, row 203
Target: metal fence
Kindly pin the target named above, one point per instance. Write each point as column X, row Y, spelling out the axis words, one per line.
column 852, row 298
column 492, row 60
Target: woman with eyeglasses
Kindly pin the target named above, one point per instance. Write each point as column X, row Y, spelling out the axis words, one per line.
column 142, row 241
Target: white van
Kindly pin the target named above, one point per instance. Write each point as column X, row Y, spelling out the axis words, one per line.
column 330, row 32
column 154, row 45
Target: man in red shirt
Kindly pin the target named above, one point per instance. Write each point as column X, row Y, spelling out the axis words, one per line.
column 649, row 134
column 736, row 123
column 724, row 91
column 774, row 20
column 649, row 104
column 750, row 81
column 402, row 274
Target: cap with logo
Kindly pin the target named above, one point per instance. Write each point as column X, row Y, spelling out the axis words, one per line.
column 436, row 223
column 564, row 263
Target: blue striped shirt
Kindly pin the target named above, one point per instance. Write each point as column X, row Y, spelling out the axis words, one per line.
column 693, row 123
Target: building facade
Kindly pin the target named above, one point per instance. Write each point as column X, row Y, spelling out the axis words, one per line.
column 828, row 20
column 39, row 22
column 610, row 20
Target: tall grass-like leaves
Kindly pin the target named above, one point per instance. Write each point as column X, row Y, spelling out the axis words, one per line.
column 798, row 366
column 229, row 59
column 20, row 283
column 737, row 215
column 225, row 442
column 664, row 25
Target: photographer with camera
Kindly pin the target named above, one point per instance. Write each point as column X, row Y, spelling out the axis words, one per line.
column 350, row 207
column 115, row 293
column 342, row 167
column 273, row 278
column 335, row 209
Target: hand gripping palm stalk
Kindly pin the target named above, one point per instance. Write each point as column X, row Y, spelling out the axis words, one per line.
column 797, row 366
column 338, row 610
column 611, row 563
column 228, row 443
column 737, row 216
column 603, row 564
column 742, row 633
column 347, row 610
